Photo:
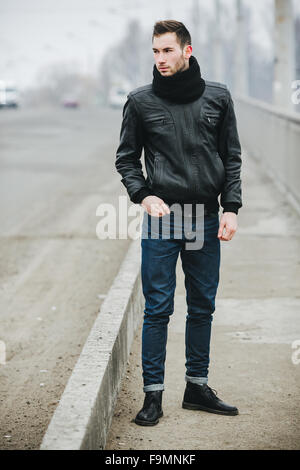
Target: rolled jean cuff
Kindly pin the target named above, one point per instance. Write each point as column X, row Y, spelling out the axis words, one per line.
column 196, row 380
column 153, row 387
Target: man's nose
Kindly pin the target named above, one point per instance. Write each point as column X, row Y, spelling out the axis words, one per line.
column 161, row 59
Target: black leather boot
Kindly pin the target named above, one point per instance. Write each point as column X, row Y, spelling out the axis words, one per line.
column 202, row 397
column 151, row 412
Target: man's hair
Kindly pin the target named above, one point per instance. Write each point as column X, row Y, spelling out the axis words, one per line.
column 172, row 26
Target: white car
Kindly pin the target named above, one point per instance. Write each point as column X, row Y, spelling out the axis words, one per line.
column 8, row 95
column 117, row 97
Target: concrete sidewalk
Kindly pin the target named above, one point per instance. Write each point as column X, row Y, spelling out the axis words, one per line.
column 255, row 323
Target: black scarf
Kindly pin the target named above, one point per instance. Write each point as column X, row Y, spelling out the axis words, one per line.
column 182, row 87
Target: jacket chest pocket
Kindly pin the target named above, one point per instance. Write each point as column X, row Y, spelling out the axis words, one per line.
column 160, row 121
column 209, row 119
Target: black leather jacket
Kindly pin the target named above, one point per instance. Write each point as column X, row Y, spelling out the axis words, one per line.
column 192, row 151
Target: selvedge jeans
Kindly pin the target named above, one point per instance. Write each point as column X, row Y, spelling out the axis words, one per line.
column 158, row 270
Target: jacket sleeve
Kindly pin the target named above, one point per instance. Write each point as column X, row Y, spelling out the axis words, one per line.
column 128, row 157
column 230, row 153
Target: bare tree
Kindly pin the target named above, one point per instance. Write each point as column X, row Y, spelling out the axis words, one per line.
column 129, row 61
column 61, row 80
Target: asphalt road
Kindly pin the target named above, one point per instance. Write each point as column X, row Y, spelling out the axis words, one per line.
column 57, row 166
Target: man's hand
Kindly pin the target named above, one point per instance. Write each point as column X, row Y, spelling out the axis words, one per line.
column 229, row 222
column 155, row 206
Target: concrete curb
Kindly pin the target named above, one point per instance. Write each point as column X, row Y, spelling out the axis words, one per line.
column 83, row 416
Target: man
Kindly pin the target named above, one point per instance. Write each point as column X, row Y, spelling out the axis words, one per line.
column 187, row 127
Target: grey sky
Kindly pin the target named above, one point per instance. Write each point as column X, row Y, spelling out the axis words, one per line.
column 34, row 33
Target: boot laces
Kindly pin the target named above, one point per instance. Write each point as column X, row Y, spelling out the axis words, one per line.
column 212, row 392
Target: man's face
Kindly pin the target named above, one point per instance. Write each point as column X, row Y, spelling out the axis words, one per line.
column 168, row 55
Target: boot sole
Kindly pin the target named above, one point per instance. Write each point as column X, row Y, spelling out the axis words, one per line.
column 191, row 406
column 148, row 423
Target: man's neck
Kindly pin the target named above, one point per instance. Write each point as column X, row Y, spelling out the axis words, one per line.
column 186, row 66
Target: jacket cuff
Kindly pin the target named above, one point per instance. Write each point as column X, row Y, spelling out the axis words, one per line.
column 138, row 197
column 231, row 207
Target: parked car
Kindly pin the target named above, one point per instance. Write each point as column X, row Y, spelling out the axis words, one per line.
column 70, row 101
column 8, row 95
column 117, row 96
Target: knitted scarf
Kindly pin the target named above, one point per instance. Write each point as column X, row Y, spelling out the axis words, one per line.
column 182, row 87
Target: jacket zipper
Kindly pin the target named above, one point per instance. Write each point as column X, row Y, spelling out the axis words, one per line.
column 193, row 169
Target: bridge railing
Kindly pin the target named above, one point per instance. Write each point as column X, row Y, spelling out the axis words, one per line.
column 272, row 136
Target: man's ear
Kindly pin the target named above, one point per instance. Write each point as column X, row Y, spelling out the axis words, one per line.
column 188, row 51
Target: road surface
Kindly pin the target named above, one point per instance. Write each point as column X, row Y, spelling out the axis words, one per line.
column 57, row 166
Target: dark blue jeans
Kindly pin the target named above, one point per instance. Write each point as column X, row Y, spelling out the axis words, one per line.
column 158, row 270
